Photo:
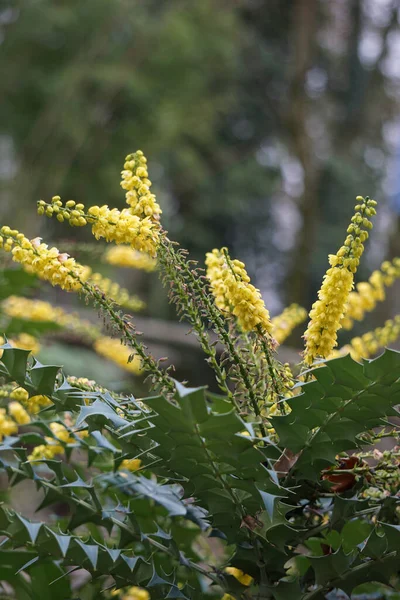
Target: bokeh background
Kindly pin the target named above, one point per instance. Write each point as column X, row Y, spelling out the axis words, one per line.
column 262, row 120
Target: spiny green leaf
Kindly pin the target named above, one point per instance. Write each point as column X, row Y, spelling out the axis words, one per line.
column 44, row 377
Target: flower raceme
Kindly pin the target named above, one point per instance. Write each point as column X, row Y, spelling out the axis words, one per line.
column 368, row 344
column 136, row 182
column 137, row 226
column 33, row 310
column 60, row 269
column 47, row 263
column 40, row 311
column 370, row 292
column 234, row 294
column 287, row 321
column 328, row 311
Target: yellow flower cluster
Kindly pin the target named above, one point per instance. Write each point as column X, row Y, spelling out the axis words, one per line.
column 131, row 464
column 122, row 227
column 234, row 293
column 61, row 432
column 34, row 403
column 113, row 350
column 119, row 226
column 52, row 447
column 18, row 413
column 125, row 256
column 327, row 313
column 368, row 344
column 283, row 324
column 242, row 577
column 118, row 294
column 47, row 263
column 132, row 593
column 7, row 425
column 136, row 182
column 45, row 451
column 370, row 292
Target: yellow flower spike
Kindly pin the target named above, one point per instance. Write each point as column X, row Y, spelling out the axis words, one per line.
column 125, row 256
column 47, row 263
column 367, row 345
column 120, row 227
column 369, row 293
column 234, row 294
column 18, row 413
column 328, row 311
column 242, row 577
column 284, row 323
column 32, row 310
column 136, row 182
column 113, row 350
column 131, row 464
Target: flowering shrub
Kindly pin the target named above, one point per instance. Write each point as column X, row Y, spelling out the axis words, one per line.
column 276, row 488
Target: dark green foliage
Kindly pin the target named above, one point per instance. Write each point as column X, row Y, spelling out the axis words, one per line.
column 201, row 476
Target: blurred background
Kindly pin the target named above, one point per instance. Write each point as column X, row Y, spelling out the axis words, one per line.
column 262, row 120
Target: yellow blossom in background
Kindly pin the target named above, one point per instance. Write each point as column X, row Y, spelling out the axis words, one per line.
column 46, row 451
column 368, row 293
column 132, row 593
column 113, row 350
column 370, row 343
column 125, row 256
column 227, row 597
column 52, row 447
column 47, row 263
column 35, row 403
column 242, row 577
column 327, row 313
column 60, row 432
column 285, row 323
column 43, row 312
column 136, row 182
column 114, row 291
column 131, row 464
column 18, row 413
column 235, row 294
column 7, row 425
column 83, row 434
column 19, row 394
column 32, row 310
column 26, row 342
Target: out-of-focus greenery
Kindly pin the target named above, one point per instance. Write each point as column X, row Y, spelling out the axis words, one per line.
column 259, row 117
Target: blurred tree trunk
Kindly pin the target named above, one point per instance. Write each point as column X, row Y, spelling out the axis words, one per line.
column 303, row 33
